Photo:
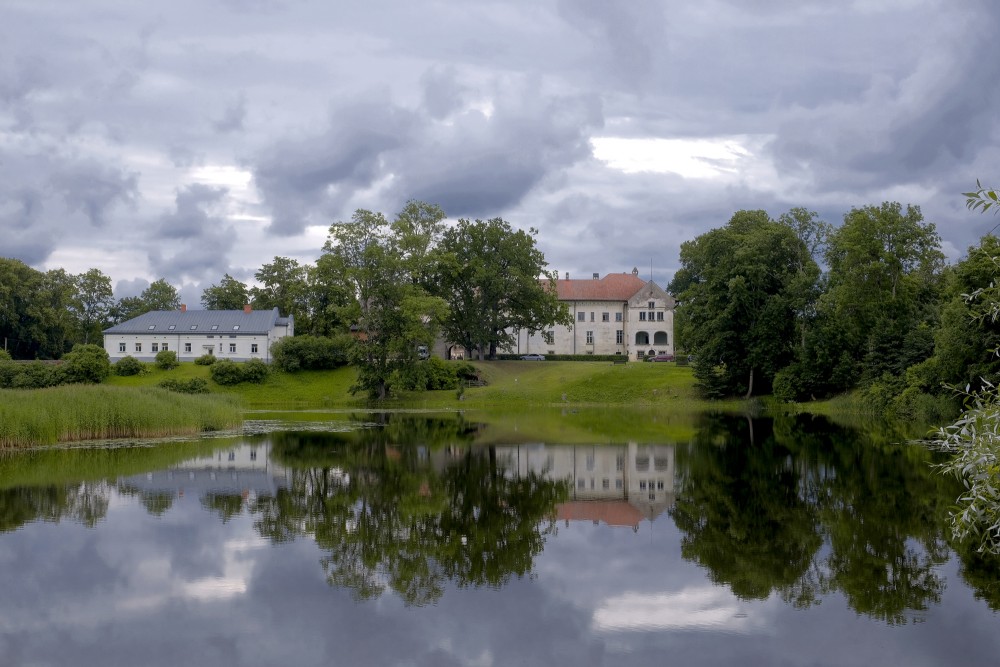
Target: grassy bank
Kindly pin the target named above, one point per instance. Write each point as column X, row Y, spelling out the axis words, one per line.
column 87, row 412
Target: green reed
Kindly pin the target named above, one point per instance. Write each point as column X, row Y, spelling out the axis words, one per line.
column 87, row 412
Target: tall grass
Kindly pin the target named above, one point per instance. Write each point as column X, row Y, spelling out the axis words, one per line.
column 87, row 412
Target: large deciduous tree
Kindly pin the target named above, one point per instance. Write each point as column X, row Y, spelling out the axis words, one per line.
column 392, row 311
column 160, row 295
column 229, row 294
column 884, row 276
column 92, row 304
column 495, row 282
column 284, row 285
column 740, row 289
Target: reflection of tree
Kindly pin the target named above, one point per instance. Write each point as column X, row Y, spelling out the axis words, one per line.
column 226, row 505
column 979, row 569
column 754, row 511
column 85, row 503
column 403, row 517
column 742, row 513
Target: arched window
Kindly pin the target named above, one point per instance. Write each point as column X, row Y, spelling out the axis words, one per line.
column 660, row 338
column 641, row 338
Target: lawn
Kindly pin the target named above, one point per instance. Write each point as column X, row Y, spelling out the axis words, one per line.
column 508, row 384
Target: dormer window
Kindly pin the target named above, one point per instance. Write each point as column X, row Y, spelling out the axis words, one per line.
column 214, row 327
column 193, row 327
column 236, row 327
column 152, row 326
column 172, row 327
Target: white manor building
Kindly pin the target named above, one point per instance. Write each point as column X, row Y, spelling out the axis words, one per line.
column 228, row 334
column 618, row 314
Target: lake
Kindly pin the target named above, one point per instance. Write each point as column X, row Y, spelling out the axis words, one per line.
column 420, row 539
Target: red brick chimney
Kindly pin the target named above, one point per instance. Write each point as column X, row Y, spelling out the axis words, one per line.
column 247, row 309
column 184, row 307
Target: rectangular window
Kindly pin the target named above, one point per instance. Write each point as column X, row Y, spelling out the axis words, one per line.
column 642, row 484
column 605, row 317
column 591, row 316
column 652, row 305
column 581, row 484
column 618, row 317
column 581, row 317
column 253, row 348
column 165, row 348
column 138, row 347
column 605, row 483
column 590, row 338
column 659, row 485
column 549, row 337
column 659, row 316
column 642, row 315
column 620, row 337
column 121, row 347
column 232, row 348
column 618, row 484
column 187, row 347
column 155, row 347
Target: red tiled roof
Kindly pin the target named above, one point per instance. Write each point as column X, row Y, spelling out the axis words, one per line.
column 611, row 512
column 612, row 287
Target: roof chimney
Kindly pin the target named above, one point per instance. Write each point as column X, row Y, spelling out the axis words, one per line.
column 247, row 309
column 184, row 307
column 567, row 275
column 597, row 276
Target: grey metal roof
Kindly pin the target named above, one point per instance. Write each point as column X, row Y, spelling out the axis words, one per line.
column 202, row 321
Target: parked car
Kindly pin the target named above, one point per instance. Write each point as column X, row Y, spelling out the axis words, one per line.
column 532, row 357
column 661, row 357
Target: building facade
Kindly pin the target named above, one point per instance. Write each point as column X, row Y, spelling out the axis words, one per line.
column 228, row 334
column 618, row 314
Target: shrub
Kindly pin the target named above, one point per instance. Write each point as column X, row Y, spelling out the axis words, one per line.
column 436, row 373
column 192, row 386
column 310, row 353
column 205, row 360
column 4, row 355
column 226, row 372
column 255, row 371
column 127, row 366
column 166, row 359
column 34, row 375
column 87, row 364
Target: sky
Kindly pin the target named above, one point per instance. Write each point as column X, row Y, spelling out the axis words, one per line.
column 193, row 138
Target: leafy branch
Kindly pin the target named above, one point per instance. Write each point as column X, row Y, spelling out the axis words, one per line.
column 982, row 199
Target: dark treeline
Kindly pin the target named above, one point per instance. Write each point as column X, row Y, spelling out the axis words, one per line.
column 803, row 309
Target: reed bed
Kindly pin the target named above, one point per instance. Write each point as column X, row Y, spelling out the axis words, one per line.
column 30, row 418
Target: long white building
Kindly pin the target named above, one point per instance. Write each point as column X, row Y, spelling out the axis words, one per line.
column 228, row 334
column 618, row 314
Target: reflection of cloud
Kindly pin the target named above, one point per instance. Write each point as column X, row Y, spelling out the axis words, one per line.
column 692, row 608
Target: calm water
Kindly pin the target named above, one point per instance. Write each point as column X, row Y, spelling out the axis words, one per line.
column 408, row 542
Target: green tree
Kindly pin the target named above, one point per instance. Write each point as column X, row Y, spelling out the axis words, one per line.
column 740, row 291
column 283, row 285
column 160, row 295
column 884, row 277
column 394, row 314
column 229, row 294
column 92, row 304
column 494, row 280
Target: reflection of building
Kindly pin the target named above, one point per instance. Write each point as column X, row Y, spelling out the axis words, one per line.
column 243, row 469
column 613, row 484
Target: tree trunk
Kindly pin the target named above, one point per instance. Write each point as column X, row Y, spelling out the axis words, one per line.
column 750, row 388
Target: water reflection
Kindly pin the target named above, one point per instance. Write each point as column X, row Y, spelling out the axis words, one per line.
column 714, row 534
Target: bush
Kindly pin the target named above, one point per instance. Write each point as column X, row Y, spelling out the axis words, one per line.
column 87, row 364
column 255, row 371
column 34, row 375
column 166, row 359
column 4, row 355
column 306, row 353
column 192, row 386
column 127, row 366
column 435, row 373
column 226, row 372
column 205, row 360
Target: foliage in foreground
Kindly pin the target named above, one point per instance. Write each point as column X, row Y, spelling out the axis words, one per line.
column 228, row 372
column 62, row 414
